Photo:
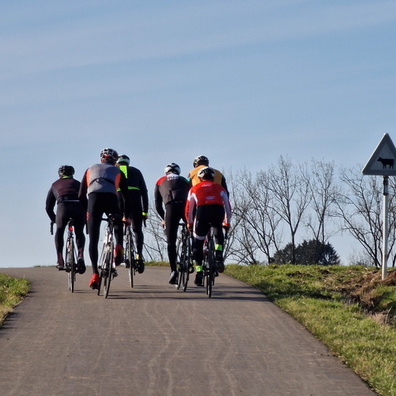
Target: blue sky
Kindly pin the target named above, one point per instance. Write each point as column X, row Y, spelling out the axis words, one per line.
column 241, row 82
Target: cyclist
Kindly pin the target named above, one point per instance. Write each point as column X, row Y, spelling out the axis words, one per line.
column 64, row 192
column 137, row 198
column 207, row 206
column 98, row 194
column 171, row 191
column 201, row 162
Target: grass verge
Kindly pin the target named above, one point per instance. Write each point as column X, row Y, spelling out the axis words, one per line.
column 12, row 292
column 350, row 309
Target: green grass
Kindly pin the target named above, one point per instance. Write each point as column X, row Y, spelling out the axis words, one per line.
column 12, row 292
column 350, row 309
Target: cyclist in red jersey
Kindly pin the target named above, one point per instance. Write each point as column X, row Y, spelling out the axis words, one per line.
column 207, row 206
column 98, row 194
column 171, row 192
column 137, row 197
column 202, row 162
column 64, row 193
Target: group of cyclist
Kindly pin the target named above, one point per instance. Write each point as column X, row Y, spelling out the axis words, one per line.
column 114, row 187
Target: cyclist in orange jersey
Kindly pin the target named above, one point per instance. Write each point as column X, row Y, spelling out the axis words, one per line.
column 207, row 206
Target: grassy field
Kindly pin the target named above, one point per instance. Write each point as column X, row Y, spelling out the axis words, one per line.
column 350, row 309
column 12, row 292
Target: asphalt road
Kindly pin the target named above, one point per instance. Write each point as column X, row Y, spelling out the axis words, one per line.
column 154, row 340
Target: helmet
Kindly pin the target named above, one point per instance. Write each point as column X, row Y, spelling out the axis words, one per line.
column 206, row 173
column 123, row 159
column 172, row 168
column 201, row 160
column 66, row 170
column 108, row 155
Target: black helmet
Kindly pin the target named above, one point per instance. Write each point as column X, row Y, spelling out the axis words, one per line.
column 172, row 168
column 206, row 174
column 108, row 155
column 123, row 159
column 66, row 170
column 201, row 160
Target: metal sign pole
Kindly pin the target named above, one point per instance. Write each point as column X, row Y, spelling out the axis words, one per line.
column 385, row 230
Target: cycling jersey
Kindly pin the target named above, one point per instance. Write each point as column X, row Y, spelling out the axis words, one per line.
column 171, row 188
column 64, row 193
column 219, row 177
column 207, row 193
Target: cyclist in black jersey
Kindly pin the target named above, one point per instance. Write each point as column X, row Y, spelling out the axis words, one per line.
column 98, row 193
column 137, row 197
column 171, row 191
column 64, row 193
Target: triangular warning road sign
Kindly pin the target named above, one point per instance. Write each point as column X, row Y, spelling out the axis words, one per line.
column 383, row 160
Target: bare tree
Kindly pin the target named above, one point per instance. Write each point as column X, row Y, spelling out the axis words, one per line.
column 321, row 182
column 360, row 208
column 155, row 240
column 291, row 195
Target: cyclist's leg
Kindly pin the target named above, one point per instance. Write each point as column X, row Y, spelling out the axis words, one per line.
column 95, row 213
column 218, row 216
column 78, row 214
column 137, row 224
column 61, row 222
column 113, row 208
column 172, row 218
column 201, row 228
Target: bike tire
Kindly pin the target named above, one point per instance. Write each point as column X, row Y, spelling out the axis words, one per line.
column 210, row 268
column 70, row 264
column 109, row 270
column 130, row 254
column 187, row 263
column 180, row 267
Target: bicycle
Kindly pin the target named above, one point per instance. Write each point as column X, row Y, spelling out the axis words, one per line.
column 184, row 255
column 70, row 255
column 129, row 253
column 209, row 267
column 106, row 264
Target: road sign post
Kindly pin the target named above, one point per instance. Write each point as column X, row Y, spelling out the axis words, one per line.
column 383, row 163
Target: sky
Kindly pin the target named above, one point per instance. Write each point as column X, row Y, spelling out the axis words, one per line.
column 242, row 82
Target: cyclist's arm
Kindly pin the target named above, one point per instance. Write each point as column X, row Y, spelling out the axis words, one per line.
column 123, row 186
column 82, row 194
column 144, row 193
column 50, row 204
column 158, row 202
column 227, row 208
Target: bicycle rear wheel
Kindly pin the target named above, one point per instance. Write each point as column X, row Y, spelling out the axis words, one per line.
column 108, row 270
column 180, row 266
column 187, row 264
column 70, row 264
column 210, row 268
column 130, row 256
